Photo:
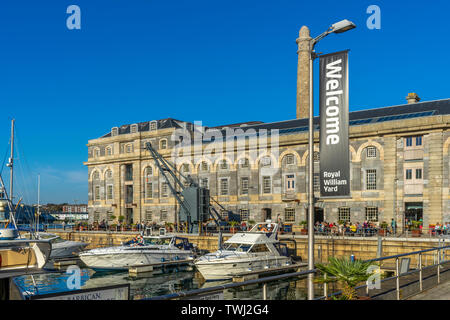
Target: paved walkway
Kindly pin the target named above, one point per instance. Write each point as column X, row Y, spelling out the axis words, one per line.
column 441, row 292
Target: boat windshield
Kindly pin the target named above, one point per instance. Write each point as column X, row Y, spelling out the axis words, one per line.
column 238, row 247
column 158, row 241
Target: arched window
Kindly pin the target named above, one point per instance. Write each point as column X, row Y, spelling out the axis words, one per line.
column 108, row 174
column 204, row 166
column 96, row 175
column 163, row 144
column 129, row 148
column 148, row 172
column 289, row 159
column 223, row 164
column 244, row 163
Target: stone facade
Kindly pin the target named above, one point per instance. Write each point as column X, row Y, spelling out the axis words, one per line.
column 382, row 162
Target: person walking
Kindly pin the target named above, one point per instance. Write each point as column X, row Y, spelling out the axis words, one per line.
column 394, row 226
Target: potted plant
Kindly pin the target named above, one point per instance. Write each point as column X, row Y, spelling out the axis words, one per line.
column 347, row 272
column 383, row 228
column 304, row 229
column 415, row 228
column 233, row 226
column 121, row 218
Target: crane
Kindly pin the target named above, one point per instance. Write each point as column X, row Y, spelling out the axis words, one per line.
column 195, row 201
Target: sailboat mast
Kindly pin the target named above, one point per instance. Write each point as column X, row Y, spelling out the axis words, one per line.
column 11, row 165
column 38, row 206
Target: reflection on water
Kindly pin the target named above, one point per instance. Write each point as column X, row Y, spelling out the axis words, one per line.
column 152, row 285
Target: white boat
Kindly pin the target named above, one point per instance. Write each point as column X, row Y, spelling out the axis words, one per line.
column 254, row 250
column 143, row 250
column 60, row 248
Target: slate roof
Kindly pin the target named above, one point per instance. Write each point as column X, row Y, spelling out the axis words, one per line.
column 361, row 117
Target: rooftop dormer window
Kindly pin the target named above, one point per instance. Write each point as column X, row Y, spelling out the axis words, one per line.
column 133, row 128
column 153, row 125
column 114, row 131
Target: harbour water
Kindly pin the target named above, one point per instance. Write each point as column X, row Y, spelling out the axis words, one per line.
column 156, row 284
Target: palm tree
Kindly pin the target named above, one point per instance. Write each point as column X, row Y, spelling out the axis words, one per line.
column 348, row 272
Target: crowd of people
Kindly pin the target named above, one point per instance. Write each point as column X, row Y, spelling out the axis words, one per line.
column 366, row 228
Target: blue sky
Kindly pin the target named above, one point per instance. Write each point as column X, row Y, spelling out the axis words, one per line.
column 215, row 61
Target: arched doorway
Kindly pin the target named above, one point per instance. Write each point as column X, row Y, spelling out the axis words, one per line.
column 267, row 214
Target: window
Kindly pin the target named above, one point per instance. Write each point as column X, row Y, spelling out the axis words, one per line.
column 128, row 194
column 97, row 193
column 223, row 164
column 148, row 215
column 265, row 161
column 163, row 144
column 371, row 179
column 290, row 182
column 418, row 173
column 128, row 148
column 185, row 167
column 371, row 152
column 316, row 182
column 344, row 214
column 204, row 182
column 290, row 159
column 96, row 152
column 148, row 173
column 259, row 248
column 163, row 216
column 418, row 141
column 267, row 184
column 224, row 187
column 372, row 214
column 316, row 156
column 164, row 190
column 114, row 131
column 96, row 175
column 289, row 215
column 133, row 128
column 244, row 185
column 128, row 172
column 148, row 190
column 108, row 174
column 244, row 163
column 244, row 213
column 108, row 151
column 408, row 174
column 204, row 166
column 109, row 192
column 409, row 142
column 153, row 126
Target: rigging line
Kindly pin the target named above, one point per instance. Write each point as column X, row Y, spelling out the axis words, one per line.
column 23, row 167
column 4, row 160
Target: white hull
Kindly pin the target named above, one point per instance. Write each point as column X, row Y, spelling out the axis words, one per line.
column 123, row 259
column 66, row 249
column 22, row 254
column 221, row 269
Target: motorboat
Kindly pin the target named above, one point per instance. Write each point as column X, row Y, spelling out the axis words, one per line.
column 141, row 250
column 253, row 250
column 60, row 248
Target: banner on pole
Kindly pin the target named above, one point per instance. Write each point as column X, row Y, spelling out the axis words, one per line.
column 334, row 148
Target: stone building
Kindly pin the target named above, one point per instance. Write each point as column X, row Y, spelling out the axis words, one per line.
column 399, row 167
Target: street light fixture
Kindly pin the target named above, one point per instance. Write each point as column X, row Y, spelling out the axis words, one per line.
column 338, row 27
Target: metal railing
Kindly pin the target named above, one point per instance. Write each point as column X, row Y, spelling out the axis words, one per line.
column 440, row 259
column 441, row 254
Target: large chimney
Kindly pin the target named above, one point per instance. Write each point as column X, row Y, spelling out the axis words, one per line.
column 304, row 48
column 412, row 98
